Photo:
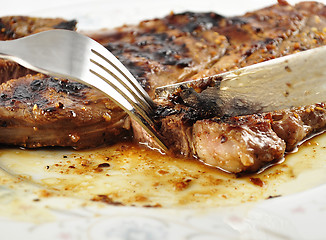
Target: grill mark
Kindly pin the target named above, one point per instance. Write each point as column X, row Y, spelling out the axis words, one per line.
column 167, row 51
column 33, row 91
column 5, row 31
column 69, row 25
column 195, row 21
column 158, row 47
column 138, row 70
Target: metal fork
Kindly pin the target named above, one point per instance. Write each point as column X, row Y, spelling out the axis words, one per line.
column 68, row 54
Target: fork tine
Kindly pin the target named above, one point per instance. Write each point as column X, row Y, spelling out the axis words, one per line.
column 136, row 94
column 140, row 116
column 130, row 90
column 121, row 88
column 133, row 103
column 121, row 69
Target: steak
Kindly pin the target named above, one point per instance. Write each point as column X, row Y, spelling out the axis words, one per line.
column 235, row 144
column 269, row 33
column 192, row 127
column 168, row 50
column 156, row 55
column 38, row 110
column 248, row 143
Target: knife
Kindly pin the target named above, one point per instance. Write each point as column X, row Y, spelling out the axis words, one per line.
column 291, row 81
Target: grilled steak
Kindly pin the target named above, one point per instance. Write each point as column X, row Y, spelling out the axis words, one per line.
column 191, row 125
column 38, row 110
column 41, row 111
column 14, row 27
column 234, row 144
column 156, row 55
column 169, row 50
column 248, row 143
column 269, row 33
column 178, row 47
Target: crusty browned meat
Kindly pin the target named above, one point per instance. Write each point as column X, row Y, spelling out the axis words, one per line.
column 38, row 111
column 246, row 143
column 268, row 33
column 235, row 144
column 190, row 45
column 10, row 70
column 159, row 54
column 14, row 27
column 168, row 50
column 175, row 48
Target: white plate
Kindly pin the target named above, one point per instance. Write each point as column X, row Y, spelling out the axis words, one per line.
column 297, row 216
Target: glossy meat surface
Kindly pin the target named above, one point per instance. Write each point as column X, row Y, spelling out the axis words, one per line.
column 193, row 127
column 163, row 51
column 39, row 111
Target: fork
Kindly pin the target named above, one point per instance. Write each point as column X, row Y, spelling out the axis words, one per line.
column 68, row 54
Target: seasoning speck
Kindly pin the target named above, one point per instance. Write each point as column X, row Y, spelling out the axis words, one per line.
column 103, row 165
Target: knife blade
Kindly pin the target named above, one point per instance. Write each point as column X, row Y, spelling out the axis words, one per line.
column 291, row 81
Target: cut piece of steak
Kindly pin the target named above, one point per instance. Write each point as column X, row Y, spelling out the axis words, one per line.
column 250, row 142
column 13, row 27
column 156, row 52
column 38, row 111
column 235, row 144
